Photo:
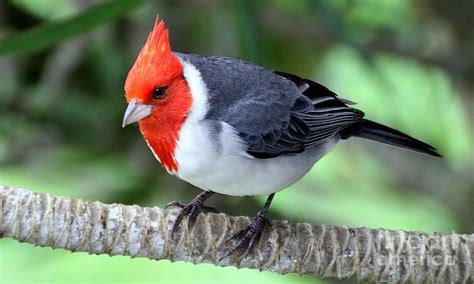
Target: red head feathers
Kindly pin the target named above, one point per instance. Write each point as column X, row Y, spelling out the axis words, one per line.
column 156, row 65
column 156, row 80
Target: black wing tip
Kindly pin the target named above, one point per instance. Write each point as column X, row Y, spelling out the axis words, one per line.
column 431, row 151
column 435, row 153
column 420, row 147
column 375, row 131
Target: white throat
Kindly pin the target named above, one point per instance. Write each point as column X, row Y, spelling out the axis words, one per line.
column 198, row 91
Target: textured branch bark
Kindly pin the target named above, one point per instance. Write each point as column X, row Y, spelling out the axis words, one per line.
column 321, row 250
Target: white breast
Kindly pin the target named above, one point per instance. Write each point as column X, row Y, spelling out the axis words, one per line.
column 229, row 170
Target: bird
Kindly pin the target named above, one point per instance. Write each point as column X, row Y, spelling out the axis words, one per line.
column 232, row 127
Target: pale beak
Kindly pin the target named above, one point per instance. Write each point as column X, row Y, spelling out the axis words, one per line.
column 135, row 111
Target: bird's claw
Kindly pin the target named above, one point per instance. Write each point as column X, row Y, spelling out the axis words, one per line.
column 174, row 204
column 248, row 236
column 191, row 210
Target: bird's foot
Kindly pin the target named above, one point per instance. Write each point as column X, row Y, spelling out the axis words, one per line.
column 249, row 236
column 192, row 210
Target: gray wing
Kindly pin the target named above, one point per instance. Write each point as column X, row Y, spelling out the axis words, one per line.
column 329, row 114
column 269, row 124
column 271, row 130
column 274, row 113
column 273, row 126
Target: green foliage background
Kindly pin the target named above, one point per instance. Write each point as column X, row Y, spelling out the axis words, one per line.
column 408, row 64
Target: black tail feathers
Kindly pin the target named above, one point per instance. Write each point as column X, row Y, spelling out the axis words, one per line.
column 374, row 131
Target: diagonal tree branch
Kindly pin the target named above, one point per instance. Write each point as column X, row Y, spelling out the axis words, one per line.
column 321, row 250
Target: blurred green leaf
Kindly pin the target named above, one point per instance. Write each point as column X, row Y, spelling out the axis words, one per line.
column 247, row 29
column 47, row 9
column 300, row 6
column 73, row 171
column 404, row 94
column 54, row 32
column 373, row 14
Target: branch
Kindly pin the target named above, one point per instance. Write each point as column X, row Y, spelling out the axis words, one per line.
column 321, row 250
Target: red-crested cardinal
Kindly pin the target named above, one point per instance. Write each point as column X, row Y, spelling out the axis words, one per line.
column 232, row 127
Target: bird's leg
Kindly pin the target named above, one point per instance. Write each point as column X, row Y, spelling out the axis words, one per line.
column 192, row 209
column 250, row 235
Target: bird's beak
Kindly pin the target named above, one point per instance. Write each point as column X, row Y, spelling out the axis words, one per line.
column 135, row 111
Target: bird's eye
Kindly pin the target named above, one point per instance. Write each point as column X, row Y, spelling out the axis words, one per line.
column 159, row 93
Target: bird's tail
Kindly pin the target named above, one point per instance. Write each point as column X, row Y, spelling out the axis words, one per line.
column 374, row 131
